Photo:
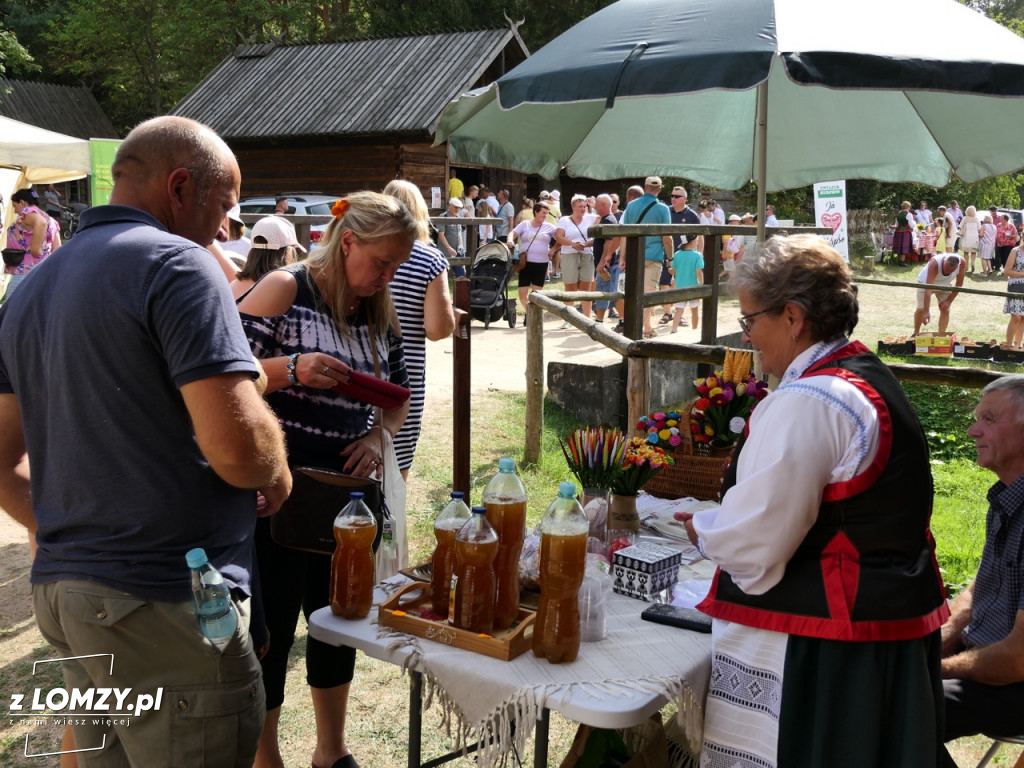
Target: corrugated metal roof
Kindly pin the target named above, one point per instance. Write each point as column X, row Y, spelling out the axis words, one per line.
column 72, row 111
column 364, row 87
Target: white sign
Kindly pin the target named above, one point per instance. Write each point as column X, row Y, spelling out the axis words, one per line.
column 830, row 211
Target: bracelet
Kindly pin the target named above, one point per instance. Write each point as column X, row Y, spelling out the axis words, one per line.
column 290, row 367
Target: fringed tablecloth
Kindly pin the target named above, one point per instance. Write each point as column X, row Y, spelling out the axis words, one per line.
column 479, row 695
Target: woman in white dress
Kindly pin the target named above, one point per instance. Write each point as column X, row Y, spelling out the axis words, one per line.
column 970, row 235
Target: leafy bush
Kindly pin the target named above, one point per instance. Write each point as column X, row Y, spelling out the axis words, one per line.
column 945, row 413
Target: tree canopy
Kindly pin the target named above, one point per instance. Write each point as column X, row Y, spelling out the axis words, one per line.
column 140, row 57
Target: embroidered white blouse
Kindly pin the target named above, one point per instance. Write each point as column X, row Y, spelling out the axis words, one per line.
column 804, row 435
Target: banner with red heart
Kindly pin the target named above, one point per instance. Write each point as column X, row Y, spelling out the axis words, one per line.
column 832, row 220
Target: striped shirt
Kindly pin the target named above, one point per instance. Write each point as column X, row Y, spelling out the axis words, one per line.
column 408, row 291
column 999, row 587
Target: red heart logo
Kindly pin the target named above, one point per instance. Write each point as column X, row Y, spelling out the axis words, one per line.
column 832, row 220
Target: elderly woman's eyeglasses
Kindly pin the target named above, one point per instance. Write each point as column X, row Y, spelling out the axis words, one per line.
column 744, row 320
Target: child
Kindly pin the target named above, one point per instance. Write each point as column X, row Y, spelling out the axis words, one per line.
column 688, row 270
column 987, row 245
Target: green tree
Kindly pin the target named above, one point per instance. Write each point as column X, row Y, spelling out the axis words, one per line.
column 14, row 57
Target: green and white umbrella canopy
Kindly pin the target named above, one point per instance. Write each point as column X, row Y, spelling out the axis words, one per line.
column 784, row 92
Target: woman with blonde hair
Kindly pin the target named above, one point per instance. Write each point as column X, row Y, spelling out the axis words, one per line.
column 424, row 306
column 970, row 235
column 311, row 324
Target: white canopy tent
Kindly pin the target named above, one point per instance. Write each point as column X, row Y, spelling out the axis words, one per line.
column 31, row 155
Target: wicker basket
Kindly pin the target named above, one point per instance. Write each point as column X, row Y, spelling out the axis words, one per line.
column 693, row 474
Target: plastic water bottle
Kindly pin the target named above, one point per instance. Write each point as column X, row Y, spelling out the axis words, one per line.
column 505, row 499
column 563, row 552
column 446, row 525
column 212, row 597
column 472, row 601
column 386, row 564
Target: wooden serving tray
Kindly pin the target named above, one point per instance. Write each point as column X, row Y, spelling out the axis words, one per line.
column 401, row 611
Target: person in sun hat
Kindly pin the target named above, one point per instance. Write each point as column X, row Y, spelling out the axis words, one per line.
column 236, row 243
column 273, row 246
column 451, row 238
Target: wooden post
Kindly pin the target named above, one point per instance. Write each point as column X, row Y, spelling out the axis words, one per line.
column 534, row 382
column 638, row 369
column 633, row 322
column 638, row 390
column 461, row 390
column 709, row 322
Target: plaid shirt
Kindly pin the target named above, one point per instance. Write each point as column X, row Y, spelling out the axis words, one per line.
column 999, row 587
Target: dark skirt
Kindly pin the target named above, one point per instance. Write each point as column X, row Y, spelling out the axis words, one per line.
column 861, row 704
column 903, row 243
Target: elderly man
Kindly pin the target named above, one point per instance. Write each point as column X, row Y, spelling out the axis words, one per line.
column 604, row 258
column 941, row 271
column 983, row 639
column 769, row 216
column 451, row 237
column 146, row 436
column 649, row 210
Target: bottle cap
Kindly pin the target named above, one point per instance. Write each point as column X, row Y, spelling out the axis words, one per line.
column 356, row 496
column 479, row 510
column 567, row 490
column 458, row 495
column 196, row 557
column 506, row 465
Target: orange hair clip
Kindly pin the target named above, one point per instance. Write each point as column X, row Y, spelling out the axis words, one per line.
column 339, row 208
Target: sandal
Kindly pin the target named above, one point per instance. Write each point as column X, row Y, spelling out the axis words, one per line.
column 650, row 334
column 666, row 318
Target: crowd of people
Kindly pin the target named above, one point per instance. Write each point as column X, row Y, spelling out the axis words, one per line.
column 952, row 244
column 828, row 580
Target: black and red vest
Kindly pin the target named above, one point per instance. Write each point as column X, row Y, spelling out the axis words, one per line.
column 866, row 570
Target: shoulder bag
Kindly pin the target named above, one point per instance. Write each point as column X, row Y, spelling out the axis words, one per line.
column 524, row 255
column 306, row 519
column 13, row 257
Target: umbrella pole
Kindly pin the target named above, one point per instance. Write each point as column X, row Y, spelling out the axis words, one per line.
column 762, row 156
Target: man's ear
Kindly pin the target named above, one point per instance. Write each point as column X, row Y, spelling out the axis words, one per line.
column 177, row 183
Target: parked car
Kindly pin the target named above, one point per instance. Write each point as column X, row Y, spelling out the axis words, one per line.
column 299, row 205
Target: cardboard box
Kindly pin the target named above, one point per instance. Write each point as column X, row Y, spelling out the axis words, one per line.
column 980, row 350
column 643, row 570
column 1003, row 355
column 896, row 347
column 933, row 345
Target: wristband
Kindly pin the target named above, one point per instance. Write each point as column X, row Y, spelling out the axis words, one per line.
column 290, row 367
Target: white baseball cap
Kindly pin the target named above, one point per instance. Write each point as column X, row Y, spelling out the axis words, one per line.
column 278, row 233
column 235, row 214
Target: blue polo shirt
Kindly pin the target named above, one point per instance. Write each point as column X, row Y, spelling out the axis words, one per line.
column 95, row 344
column 659, row 213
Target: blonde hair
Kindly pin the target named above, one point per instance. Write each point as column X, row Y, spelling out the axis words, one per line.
column 370, row 216
column 971, row 211
column 412, row 198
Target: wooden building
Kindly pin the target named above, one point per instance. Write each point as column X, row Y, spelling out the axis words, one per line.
column 337, row 117
column 65, row 109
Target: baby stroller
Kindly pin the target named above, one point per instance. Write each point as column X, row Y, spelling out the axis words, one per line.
column 488, row 280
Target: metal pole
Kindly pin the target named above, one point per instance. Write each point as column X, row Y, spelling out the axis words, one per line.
column 762, row 156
